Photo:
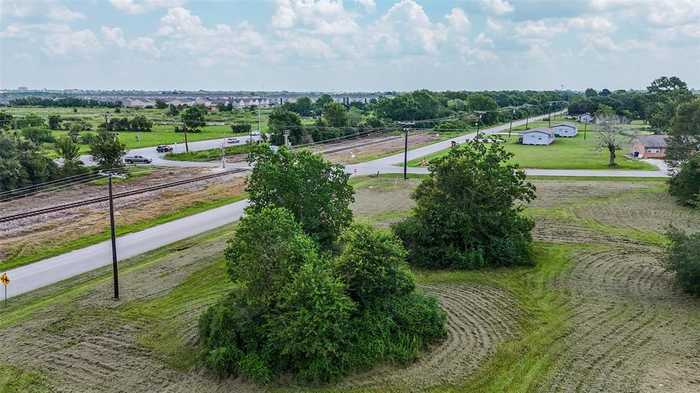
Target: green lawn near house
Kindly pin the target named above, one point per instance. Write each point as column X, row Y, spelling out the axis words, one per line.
column 580, row 152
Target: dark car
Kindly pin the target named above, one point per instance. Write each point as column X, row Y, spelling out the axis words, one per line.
column 137, row 160
column 164, row 148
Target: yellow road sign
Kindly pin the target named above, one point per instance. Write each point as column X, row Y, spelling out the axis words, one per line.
column 4, row 279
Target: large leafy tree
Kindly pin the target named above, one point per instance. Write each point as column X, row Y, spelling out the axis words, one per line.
column 468, row 211
column 684, row 139
column 609, row 137
column 22, row 163
column 683, row 258
column 107, row 150
column 685, row 184
column 313, row 189
column 335, row 115
column 666, row 93
column 193, row 118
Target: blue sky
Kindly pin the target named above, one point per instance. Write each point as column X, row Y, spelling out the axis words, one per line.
column 349, row 45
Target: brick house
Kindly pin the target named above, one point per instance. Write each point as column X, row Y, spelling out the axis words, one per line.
column 649, row 146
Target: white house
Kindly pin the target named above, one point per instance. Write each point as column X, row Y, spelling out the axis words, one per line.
column 537, row 136
column 585, row 118
column 565, row 129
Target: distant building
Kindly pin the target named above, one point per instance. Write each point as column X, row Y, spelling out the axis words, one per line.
column 537, row 136
column 567, row 130
column 650, row 146
column 585, row 118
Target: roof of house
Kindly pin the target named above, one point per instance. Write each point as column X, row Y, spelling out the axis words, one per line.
column 565, row 124
column 548, row 131
column 652, row 140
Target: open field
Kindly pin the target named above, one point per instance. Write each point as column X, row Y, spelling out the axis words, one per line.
column 597, row 313
column 218, row 123
column 580, row 152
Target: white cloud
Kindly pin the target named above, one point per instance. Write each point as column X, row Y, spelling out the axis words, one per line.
column 494, row 24
column 317, row 16
column 141, row 6
column 369, row 5
column 67, row 42
column 51, row 9
column 498, row 7
column 458, row 20
column 406, row 26
column 114, row 35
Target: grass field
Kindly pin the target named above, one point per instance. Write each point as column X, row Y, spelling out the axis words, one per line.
column 580, row 152
column 597, row 312
column 163, row 125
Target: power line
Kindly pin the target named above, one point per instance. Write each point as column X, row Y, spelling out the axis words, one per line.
column 124, row 194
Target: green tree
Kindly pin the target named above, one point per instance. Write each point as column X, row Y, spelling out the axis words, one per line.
column 303, row 106
column 683, row 258
column 590, row 92
column 685, row 183
column 335, row 115
column 38, row 135
column 313, row 189
column 666, row 93
column 609, row 138
column 55, row 122
column 684, row 136
column 322, row 101
column 69, row 151
column 107, row 150
column 281, row 120
column 193, row 118
column 22, row 163
column 6, row 120
column 468, row 211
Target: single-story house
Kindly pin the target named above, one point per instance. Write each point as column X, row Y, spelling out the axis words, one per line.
column 537, row 136
column 649, row 146
column 585, row 118
column 565, row 129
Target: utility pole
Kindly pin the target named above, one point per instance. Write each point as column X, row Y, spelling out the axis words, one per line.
column 187, row 146
column 223, row 156
column 478, row 123
column 405, row 125
column 549, row 116
column 510, row 128
column 115, row 270
column 286, row 138
column 585, row 127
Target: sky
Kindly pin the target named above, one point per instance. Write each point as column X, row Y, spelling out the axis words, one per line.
column 350, row 45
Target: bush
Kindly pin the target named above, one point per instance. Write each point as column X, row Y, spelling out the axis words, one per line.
column 683, row 258
column 372, row 264
column 241, row 128
column 468, row 211
column 299, row 311
column 685, row 185
column 38, row 135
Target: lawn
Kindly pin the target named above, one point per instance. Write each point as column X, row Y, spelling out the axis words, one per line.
column 580, row 152
column 209, row 154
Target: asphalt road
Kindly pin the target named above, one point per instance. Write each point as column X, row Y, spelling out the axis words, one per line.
column 53, row 270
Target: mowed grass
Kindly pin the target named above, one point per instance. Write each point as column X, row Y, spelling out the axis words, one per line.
column 163, row 124
column 580, row 152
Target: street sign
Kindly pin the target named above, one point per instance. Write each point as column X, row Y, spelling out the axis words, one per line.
column 4, row 279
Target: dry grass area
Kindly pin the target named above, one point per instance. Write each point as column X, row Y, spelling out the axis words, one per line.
column 363, row 152
column 624, row 325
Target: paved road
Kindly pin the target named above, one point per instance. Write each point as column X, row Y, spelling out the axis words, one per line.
column 158, row 158
column 52, row 270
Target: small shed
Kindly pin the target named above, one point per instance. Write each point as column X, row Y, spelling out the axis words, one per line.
column 585, row 118
column 537, row 136
column 567, row 130
column 649, row 146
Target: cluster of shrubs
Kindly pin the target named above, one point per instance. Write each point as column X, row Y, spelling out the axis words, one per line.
column 317, row 296
column 683, row 258
column 137, row 123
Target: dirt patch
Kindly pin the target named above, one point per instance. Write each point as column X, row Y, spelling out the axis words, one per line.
column 627, row 317
column 479, row 318
column 355, row 155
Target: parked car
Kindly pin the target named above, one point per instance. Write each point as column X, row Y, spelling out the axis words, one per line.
column 137, row 160
column 233, row 140
column 164, row 148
